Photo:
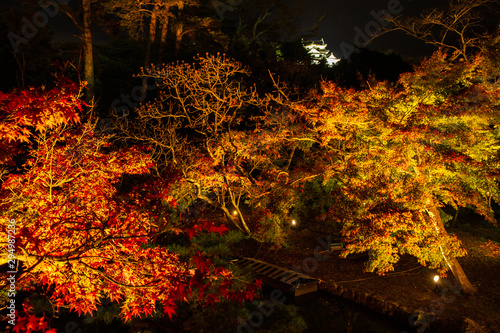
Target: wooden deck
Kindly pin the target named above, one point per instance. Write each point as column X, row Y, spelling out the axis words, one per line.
column 293, row 283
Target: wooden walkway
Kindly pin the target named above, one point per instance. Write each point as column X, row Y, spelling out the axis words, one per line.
column 293, row 283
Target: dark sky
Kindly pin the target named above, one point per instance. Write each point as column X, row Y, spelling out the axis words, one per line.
column 343, row 28
column 343, row 19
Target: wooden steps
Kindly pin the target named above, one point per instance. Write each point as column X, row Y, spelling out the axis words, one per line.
column 336, row 246
column 293, row 283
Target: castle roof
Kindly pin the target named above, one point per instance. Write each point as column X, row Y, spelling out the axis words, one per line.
column 318, row 51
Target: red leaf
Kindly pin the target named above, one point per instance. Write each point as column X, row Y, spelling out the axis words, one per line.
column 259, row 283
column 191, row 233
column 201, row 263
column 42, row 324
column 222, row 229
column 32, row 323
column 211, row 299
column 169, row 308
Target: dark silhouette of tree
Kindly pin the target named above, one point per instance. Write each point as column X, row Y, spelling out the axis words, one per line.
column 462, row 27
column 21, row 39
column 255, row 27
column 368, row 66
column 88, row 54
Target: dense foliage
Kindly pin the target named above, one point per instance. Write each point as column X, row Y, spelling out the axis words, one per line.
column 84, row 239
column 389, row 153
column 387, row 156
column 104, row 222
column 379, row 162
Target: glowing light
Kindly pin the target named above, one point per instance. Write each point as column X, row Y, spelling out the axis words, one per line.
column 294, row 222
column 235, row 212
column 436, row 278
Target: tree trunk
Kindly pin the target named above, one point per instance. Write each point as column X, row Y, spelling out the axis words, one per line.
column 151, row 37
column 21, row 64
column 149, row 47
column 243, row 227
column 179, row 30
column 163, row 38
column 453, row 264
column 87, row 51
column 236, row 204
column 454, row 222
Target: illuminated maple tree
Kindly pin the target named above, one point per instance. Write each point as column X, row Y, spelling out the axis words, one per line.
column 391, row 155
column 210, row 126
column 82, row 237
column 21, row 111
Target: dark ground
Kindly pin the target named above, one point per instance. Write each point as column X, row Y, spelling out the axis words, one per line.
column 410, row 285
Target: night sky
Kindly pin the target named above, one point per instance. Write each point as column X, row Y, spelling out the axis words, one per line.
column 343, row 17
column 342, row 21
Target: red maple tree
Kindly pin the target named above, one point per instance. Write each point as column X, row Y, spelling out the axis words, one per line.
column 82, row 237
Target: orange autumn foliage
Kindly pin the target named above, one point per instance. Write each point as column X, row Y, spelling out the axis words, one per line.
column 82, row 238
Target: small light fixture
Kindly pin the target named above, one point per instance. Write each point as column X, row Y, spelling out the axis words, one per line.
column 437, row 284
column 294, row 222
column 235, row 213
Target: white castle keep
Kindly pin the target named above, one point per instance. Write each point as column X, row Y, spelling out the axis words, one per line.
column 317, row 50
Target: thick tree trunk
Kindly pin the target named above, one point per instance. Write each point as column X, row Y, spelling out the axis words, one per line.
column 453, row 264
column 179, row 31
column 178, row 40
column 149, row 47
column 454, row 222
column 21, row 65
column 163, row 38
column 151, row 37
column 87, row 51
